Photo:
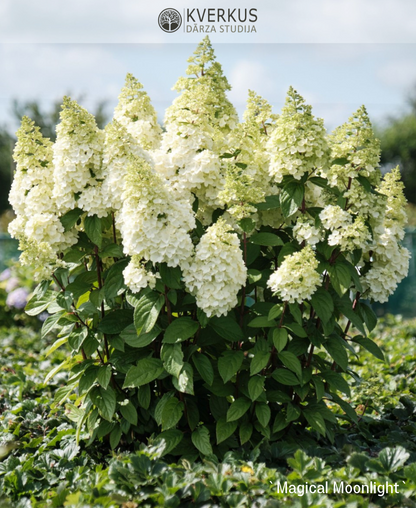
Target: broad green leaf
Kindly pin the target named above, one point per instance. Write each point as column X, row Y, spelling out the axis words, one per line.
column 147, row 311
column 69, row 219
column 269, row 203
column 200, row 439
column 114, row 280
column 336, row 381
column 204, row 367
column 291, row 197
column 266, row 239
column 172, row 357
column 105, row 400
column 39, row 303
column 50, row 323
column 285, row 377
column 370, row 346
column 168, row 440
column 130, row 336
column 290, row 361
column 322, row 303
column 224, row 429
column 319, row 387
column 77, row 337
column 181, row 329
column 259, row 362
column 340, row 277
column 56, row 344
column 263, row 413
column 229, row 363
column 144, row 396
column 147, row 370
column 293, row 412
column 116, row 321
column 104, row 376
column 92, row 226
column 280, row 338
column 171, row 413
column 368, row 315
column 275, row 312
column 185, row 381
column 261, row 322
column 129, row 412
column 337, row 351
column 246, row 430
column 238, row 408
column 296, row 329
column 171, row 276
column 226, row 328
column 256, row 387
column 316, row 421
column 115, row 436
column 280, row 422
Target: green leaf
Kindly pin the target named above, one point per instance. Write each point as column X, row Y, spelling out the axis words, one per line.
column 168, row 440
column 115, row 436
column 247, row 225
column 239, row 407
column 337, row 351
column 201, row 441
column 280, row 338
column 64, row 300
column 269, row 203
column 105, row 400
column 92, row 226
column 246, row 430
column 261, row 322
column 266, row 239
column 336, row 381
column 104, row 376
column 114, row 280
column 290, row 361
column 275, row 312
column 116, row 321
column 319, row 387
column 172, row 357
column 171, row 276
column 113, row 250
column 171, row 413
column 144, row 396
column 226, row 328
column 296, row 313
column 370, row 346
column 185, row 381
column 296, row 329
column 129, row 412
column 224, row 429
column 69, row 219
column 293, row 412
column 285, row 377
column 204, row 367
column 147, row 370
column 320, row 182
column 133, row 339
column 280, row 423
column 263, row 413
column 322, row 303
column 259, row 362
column 255, row 387
column 179, row 330
column 147, row 311
column 77, row 337
column 50, row 323
column 316, row 421
column 291, row 197
column 344, row 305
column 39, row 303
column 368, row 315
column 340, row 276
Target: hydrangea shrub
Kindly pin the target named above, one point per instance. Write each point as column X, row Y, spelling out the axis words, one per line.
column 212, row 280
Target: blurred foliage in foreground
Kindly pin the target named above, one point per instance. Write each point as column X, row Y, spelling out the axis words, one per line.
column 42, row 466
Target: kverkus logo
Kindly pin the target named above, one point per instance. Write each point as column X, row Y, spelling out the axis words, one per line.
column 170, row 20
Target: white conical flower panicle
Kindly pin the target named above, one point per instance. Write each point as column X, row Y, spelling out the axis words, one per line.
column 298, row 143
column 78, row 168
column 136, row 113
column 217, row 271
column 297, row 278
column 389, row 260
column 37, row 226
column 136, row 276
column 197, row 124
column 119, row 146
column 153, row 223
column 306, row 231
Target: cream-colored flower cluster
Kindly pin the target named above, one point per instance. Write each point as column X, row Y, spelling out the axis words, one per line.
column 217, row 271
column 136, row 276
column 136, row 113
column 297, row 277
column 389, row 260
column 154, row 224
column 37, row 226
column 77, row 161
column 305, row 231
column 298, row 143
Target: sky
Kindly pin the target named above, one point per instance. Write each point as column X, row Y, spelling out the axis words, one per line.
column 338, row 54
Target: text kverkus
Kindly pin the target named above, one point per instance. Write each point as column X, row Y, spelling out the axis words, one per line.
column 380, row 489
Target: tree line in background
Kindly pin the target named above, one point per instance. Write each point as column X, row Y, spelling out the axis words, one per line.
column 397, row 136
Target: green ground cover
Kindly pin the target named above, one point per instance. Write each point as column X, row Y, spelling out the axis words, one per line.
column 42, row 465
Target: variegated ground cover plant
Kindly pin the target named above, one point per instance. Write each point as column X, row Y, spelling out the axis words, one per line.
column 211, row 280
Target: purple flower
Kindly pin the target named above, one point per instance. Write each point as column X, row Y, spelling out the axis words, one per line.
column 5, row 274
column 12, row 284
column 17, row 298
